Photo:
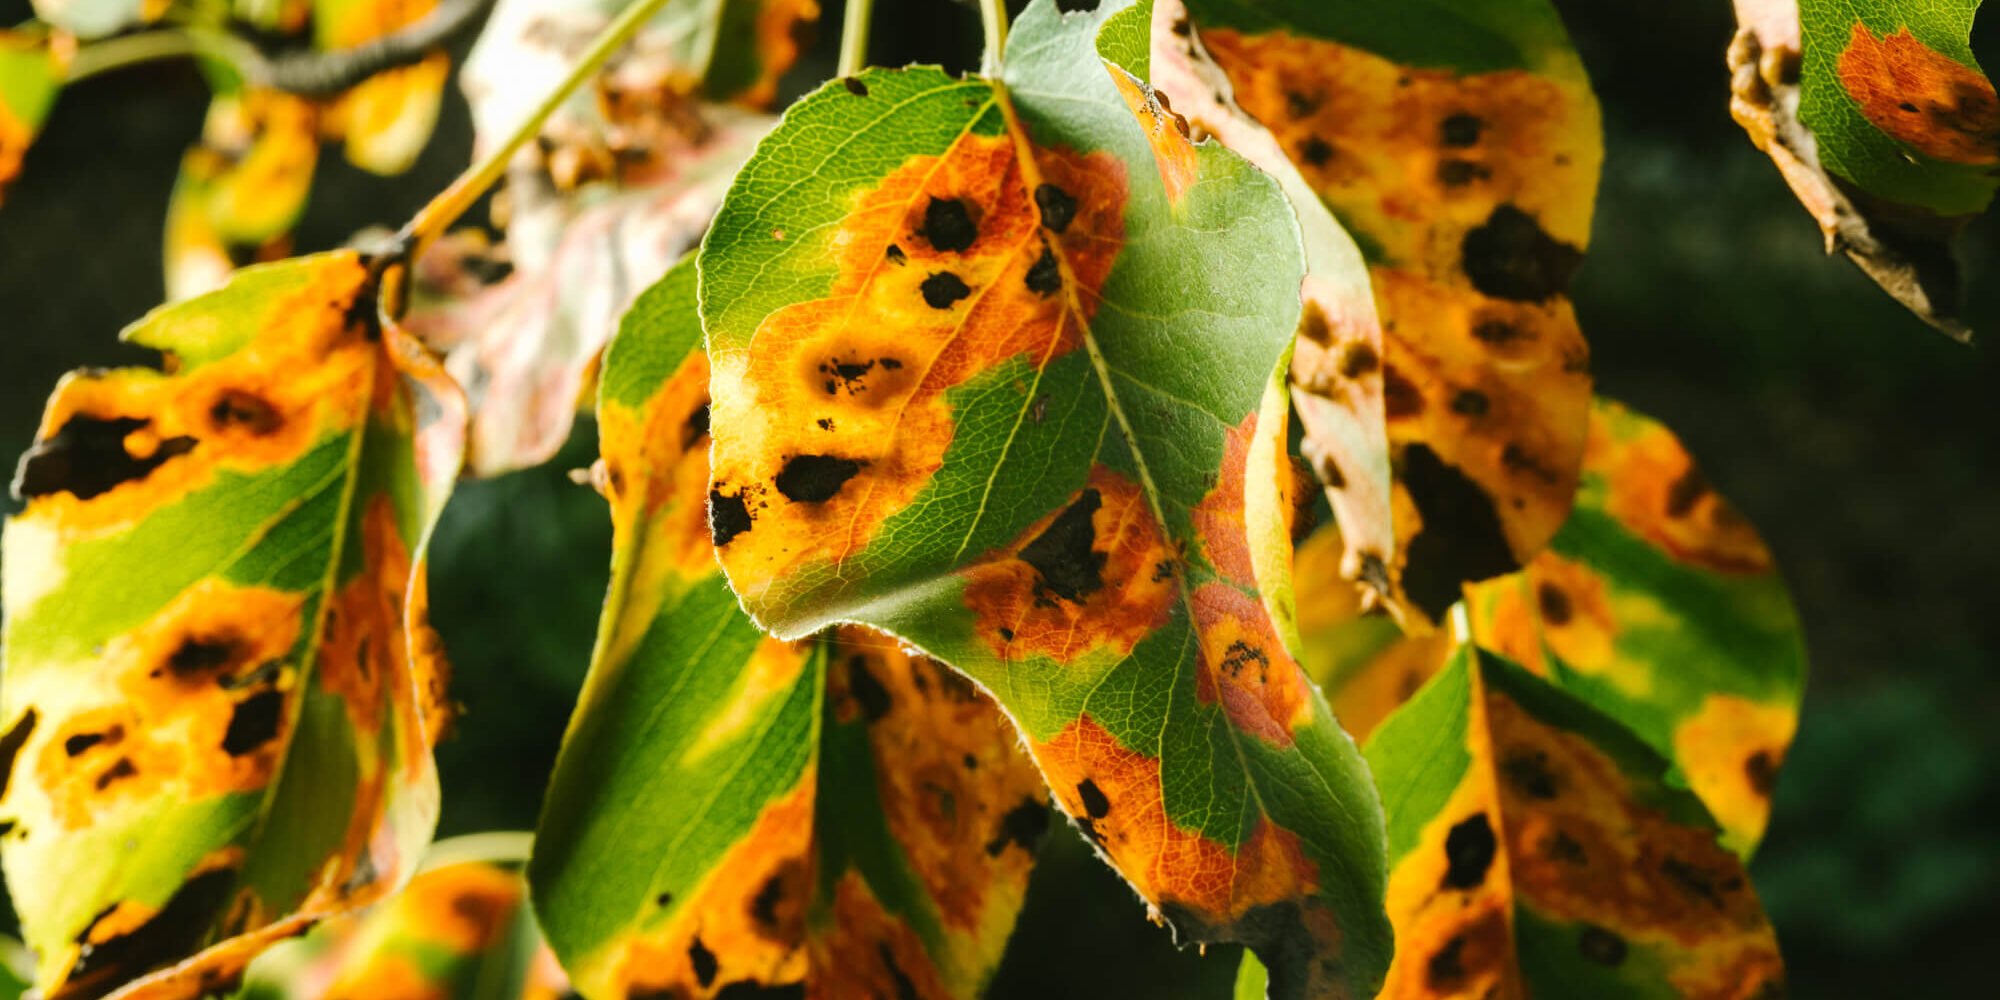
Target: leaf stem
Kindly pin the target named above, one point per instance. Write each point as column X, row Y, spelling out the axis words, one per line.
column 993, row 21
column 854, row 37
column 97, row 58
column 453, row 201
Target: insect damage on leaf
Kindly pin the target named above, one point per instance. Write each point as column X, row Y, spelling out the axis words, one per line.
column 1071, row 485
column 864, row 810
column 1470, row 192
column 263, row 505
column 1538, row 847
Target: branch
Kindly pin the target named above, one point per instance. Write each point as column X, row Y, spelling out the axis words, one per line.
column 310, row 73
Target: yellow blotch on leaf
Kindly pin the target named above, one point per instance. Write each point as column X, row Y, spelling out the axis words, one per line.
column 1730, row 751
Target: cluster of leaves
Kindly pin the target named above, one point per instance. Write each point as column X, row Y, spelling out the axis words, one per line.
column 954, row 479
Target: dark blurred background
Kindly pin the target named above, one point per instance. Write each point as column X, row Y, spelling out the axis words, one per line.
column 1865, row 446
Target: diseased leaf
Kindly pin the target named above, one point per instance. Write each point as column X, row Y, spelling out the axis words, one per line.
column 523, row 326
column 220, row 688
column 386, row 120
column 1461, row 149
column 1883, row 124
column 1539, row 849
column 241, row 190
column 1365, row 663
column 33, row 64
column 835, row 816
column 998, row 368
column 1658, row 604
column 1338, row 402
column 460, row 929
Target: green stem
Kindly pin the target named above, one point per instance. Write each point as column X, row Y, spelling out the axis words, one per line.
column 97, row 58
column 854, row 37
column 993, row 21
column 452, row 202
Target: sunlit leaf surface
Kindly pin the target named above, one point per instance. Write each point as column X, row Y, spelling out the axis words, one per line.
column 220, row 689
column 998, row 368
column 32, row 65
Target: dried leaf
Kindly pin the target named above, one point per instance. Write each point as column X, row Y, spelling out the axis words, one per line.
column 1539, row 849
column 220, row 689
column 998, row 368
column 838, row 816
column 1461, row 150
column 1885, row 128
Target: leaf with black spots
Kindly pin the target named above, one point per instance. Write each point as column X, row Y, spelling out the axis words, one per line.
column 1076, row 498
column 216, row 620
column 836, row 814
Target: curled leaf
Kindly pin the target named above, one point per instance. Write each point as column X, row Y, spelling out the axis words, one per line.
column 221, row 690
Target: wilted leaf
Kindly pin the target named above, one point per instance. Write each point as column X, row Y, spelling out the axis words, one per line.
column 1657, row 604
column 33, row 63
column 459, row 931
column 999, row 369
column 386, row 120
column 1885, row 128
column 241, row 190
column 1539, row 849
column 220, row 688
column 1339, row 404
column 733, row 811
column 523, row 327
column 1461, row 150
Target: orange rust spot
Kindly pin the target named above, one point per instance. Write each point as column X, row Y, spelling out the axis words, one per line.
column 387, row 976
column 1505, row 621
column 307, row 375
column 868, row 952
column 949, row 773
column 464, row 907
column 1165, row 131
column 1021, row 611
column 1574, row 611
column 1656, row 491
column 839, row 415
column 722, row 913
column 1115, row 793
column 363, row 655
column 1220, row 519
column 1919, row 96
column 657, row 461
column 1246, row 667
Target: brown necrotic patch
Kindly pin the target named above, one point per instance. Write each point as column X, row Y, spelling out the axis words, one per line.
column 1244, row 666
column 1081, row 579
column 1656, row 491
column 89, row 456
column 1469, row 849
column 1510, row 257
column 1461, row 537
column 814, row 478
column 1921, row 97
column 131, row 938
column 946, row 316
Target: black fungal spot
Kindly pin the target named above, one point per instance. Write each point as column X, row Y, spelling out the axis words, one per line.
column 1460, row 130
column 1045, row 277
column 1023, row 826
column 750, row 989
column 1163, row 570
column 1400, row 397
column 1907, row 107
column 868, row 691
column 1241, row 655
column 1065, row 564
column 695, row 428
column 1470, row 403
column 1762, row 772
column 1058, row 207
column 1687, row 490
column 235, row 409
column 1601, row 946
column 254, row 723
column 196, row 656
column 825, row 423
column 1095, row 805
column 172, row 933
column 764, row 905
column 896, row 255
column 1461, row 538
column 1495, row 333
column 11, row 744
column 120, row 770
column 1510, row 257
column 1316, row 151
column 942, row 289
column 854, row 86
column 1006, row 634
column 704, row 963
column 1301, row 105
column 86, row 457
column 727, row 517
column 1447, row 966
column 971, row 763
column 1529, row 773
column 76, row 745
column 814, row 478
column 1468, row 852
column 1692, row 880
column 1560, row 846
column 905, row 989
column 663, row 900
column 1459, row 173
column 845, row 375
column 1358, row 359
column 1553, row 604
column 948, row 225
column 1375, row 572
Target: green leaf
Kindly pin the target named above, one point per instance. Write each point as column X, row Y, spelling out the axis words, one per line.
column 1658, row 605
column 733, row 810
column 1886, row 96
column 460, row 929
column 998, row 369
column 1461, row 147
column 220, row 688
column 1537, row 848
column 33, row 65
